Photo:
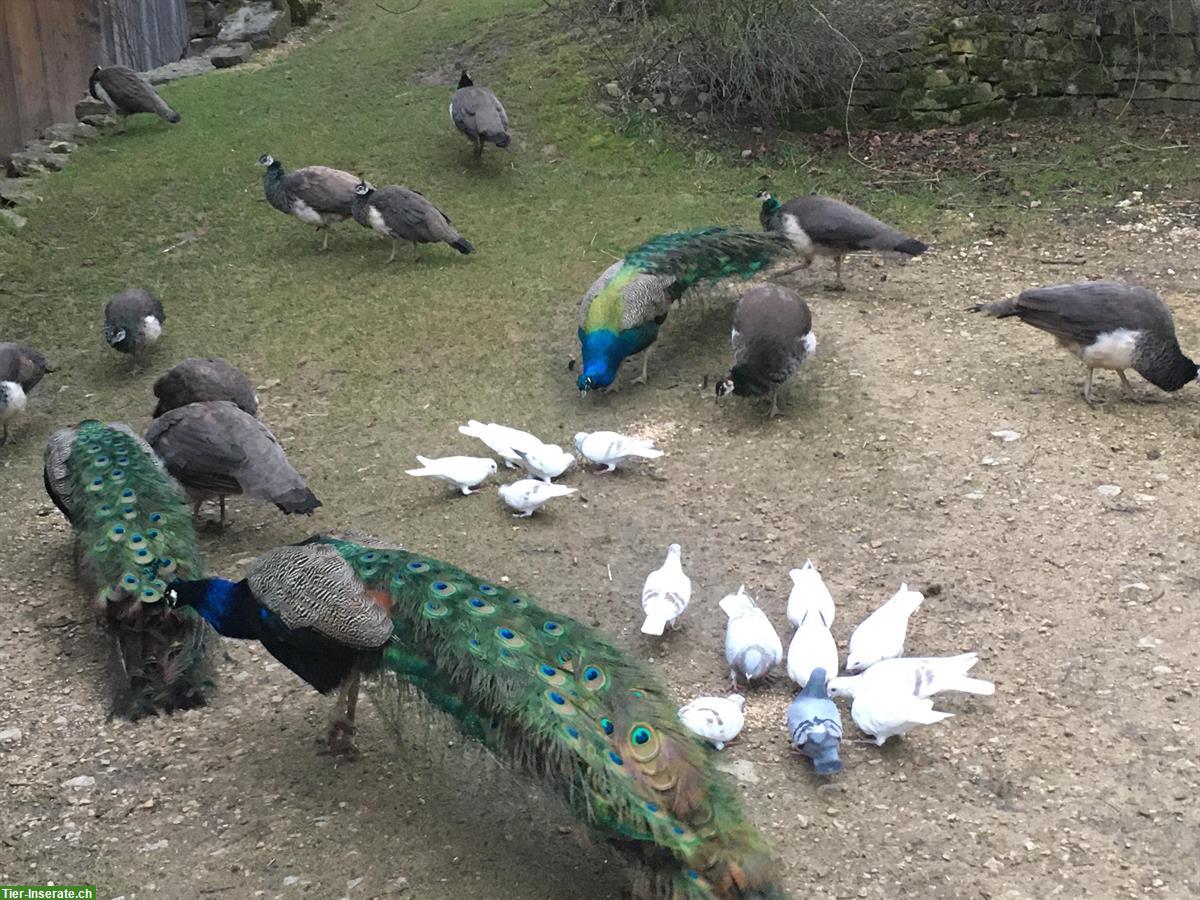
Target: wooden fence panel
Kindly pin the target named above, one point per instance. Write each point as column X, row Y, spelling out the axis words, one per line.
column 49, row 47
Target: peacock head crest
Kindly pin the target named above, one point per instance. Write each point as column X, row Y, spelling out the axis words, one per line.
column 465, row 80
column 268, row 160
column 769, row 200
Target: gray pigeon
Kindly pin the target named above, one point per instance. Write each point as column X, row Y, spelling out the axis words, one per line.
column 133, row 320
column 1108, row 325
column 215, row 449
column 126, row 93
column 21, row 368
column 772, row 337
column 479, row 114
column 403, row 214
column 316, row 195
column 201, row 380
column 815, row 725
column 821, row 225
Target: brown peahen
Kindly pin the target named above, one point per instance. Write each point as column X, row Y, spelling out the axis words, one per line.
column 540, row 690
column 133, row 533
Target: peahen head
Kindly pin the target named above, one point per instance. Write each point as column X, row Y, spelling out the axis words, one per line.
column 269, row 161
column 363, row 189
column 465, row 80
column 724, row 386
column 769, row 201
column 114, row 335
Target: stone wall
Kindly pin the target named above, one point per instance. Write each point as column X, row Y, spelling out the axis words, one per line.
column 993, row 67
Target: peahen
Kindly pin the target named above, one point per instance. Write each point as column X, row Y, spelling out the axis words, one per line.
column 126, row 93
column 203, row 380
column 316, row 195
column 21, row 368
column 623, row 310
column 133, row 534
column 402, row 214
column 822, row 225
column 478, row 113
column 540, row 690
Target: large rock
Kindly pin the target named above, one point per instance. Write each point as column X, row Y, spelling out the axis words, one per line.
column 28, row 162
column 14, row 219
column 99, row 121
column 193, row 65
column 259, row 25
column 19, row 191
column 90, row 106
column 225, row 56
column 204, row 18
column 70, row 132
column 303, row 11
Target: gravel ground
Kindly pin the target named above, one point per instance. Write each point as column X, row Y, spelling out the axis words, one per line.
column 1078, row 779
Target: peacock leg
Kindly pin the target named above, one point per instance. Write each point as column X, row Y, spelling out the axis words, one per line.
column 324, row 237
column 641, row 379
column 614, row 387
column 392, row 258
column 774, row 404
column 1087, row 388
column 478, row 149
column 1129, row 391
column 416, row 250
column 837, row 285
column 340, row 736
column 222, row 510
column 4, row 437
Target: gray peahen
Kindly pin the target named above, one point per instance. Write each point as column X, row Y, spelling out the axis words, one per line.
column 201, row 380
column 541, row 691
column 772, row 337
column 21, row 368
column 316, row 195
column 216, row 449
column 479, row 114
column 126, row 93
column 403, row 214
column 827, row 227
column 1107, row 325
column 133, row 320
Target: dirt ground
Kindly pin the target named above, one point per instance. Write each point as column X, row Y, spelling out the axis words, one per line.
column 1078, row 779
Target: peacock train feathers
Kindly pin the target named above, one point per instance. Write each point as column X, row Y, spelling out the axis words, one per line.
column 553, row 695
column 133, row 534
column 622, row 313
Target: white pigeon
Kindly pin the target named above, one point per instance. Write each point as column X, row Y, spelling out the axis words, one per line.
column 923, row 676
column 608, row 448
column 886, row 712
column 809, row 592
column 529, row 495
column 501, row 440
column 881, row 634
column 464, row 472
column 666, row 593
column 716, row 719
column 752, row 648
column 812, row 647
column 545, row 461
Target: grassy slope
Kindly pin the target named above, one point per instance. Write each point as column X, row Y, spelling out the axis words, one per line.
column 415, row 344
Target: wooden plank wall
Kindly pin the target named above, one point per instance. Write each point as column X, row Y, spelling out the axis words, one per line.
column 49, row 47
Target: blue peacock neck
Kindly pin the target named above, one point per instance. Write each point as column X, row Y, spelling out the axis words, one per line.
column 603, row 352
column 228, row 606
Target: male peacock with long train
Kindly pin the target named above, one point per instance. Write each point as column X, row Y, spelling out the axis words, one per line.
column 624, row 309
column 540, row 690
column 133, row 534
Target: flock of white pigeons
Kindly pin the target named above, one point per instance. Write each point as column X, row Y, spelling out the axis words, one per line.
column 544, row 462
column 890, row 693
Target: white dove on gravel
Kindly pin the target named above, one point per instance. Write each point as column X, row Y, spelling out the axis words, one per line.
column 464, row 472
column 608, row 448
column 545, row 461
column 529, row 495
column 809, row 592
column 881, row 634
column 716, row 719
column 812, row 647
column 666, row 593
column 884, row 712
column 501, row 440
column 752, row 648
column 922, row 676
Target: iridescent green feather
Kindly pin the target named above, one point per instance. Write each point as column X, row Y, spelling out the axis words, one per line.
column 135, row 534
column 555, row 696
column 708, row 254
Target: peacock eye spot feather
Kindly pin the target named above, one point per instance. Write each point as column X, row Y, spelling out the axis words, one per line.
column 127, row 494
column 565, row 657
column 679, row 829
column 369, row 557
column 155, row 517
column 641, row 735
column 548, row 671
column 553, row 628
column 572, row 731
column 652, row 807
column 616, row 758
column 442, row 589
column 557, row 699
column 417, row 566
column 487, row 589
column 507, row 634
column 606, row 726
column 153, row 534
column 477, row 603
column 691, row 873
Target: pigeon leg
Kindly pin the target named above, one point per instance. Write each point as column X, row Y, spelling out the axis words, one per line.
column 641, row 379
column 1129, row 392
column 392, row 258
column 733, row 679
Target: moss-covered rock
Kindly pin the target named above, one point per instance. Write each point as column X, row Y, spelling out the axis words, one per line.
column 1037, row 107
column 303, row 11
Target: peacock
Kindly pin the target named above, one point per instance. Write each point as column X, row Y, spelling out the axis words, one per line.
column 133, row 535
column 539, row 690
column 621, row 314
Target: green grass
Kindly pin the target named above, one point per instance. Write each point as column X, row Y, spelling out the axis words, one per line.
column 391, row 352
